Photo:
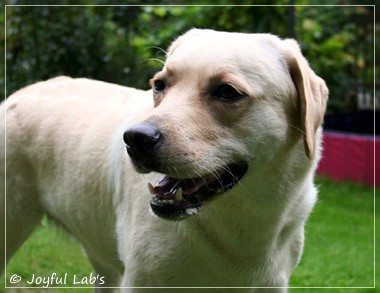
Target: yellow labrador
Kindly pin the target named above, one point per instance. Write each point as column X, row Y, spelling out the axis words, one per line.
column 205, row 180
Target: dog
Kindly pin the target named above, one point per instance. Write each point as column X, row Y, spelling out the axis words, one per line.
column 206, row 180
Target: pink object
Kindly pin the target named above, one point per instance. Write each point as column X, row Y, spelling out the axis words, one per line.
column 350, row 157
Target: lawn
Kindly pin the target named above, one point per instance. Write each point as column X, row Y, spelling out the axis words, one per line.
column 339, row 249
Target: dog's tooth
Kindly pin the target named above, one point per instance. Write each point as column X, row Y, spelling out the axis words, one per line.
column 165, row 201
column 151, row 188
column 192, row 211
column 171, row 201
column 178, row 194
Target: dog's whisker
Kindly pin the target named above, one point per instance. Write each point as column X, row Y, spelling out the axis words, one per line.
column 153, row 59
column 159, row 49
column 176, row 172
column 213, row 172
column 297, row 128
column 227, row 169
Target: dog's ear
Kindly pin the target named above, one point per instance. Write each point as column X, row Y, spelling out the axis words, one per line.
column 312, row 95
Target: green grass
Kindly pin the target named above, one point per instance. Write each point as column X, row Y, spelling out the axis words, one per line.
column 49, row 250
column 339, row 246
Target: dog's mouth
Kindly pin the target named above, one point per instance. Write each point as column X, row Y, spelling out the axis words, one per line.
column 177, row 199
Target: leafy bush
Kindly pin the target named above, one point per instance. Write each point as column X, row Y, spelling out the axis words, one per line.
column 122, row 44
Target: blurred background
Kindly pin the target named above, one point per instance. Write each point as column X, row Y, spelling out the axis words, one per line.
column 121, row 44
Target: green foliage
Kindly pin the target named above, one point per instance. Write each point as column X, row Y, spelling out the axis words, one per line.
column 78, row 41
column 338, row 42
column 111, row 43
column 125, row 44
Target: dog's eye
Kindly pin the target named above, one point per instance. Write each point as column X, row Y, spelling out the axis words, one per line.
column 158, row 86
column 226, row 93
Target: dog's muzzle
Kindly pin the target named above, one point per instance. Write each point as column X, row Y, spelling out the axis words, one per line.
column 177, row 198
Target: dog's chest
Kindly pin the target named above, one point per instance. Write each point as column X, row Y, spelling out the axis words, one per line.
column 188, row 258
column 188, row 269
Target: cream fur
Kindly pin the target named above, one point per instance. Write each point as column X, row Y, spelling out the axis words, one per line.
column 65, row 157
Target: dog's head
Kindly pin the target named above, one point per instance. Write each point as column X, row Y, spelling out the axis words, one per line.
column 224, row 103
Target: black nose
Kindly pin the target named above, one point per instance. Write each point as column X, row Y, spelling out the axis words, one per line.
column 142, row 140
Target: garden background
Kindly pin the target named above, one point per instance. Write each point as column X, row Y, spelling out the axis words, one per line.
column 121, row 44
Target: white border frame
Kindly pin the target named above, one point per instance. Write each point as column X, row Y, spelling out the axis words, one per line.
column 105, row 5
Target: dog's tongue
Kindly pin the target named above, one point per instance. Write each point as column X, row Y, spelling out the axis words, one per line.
column 167, row 187
column 170, row 188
